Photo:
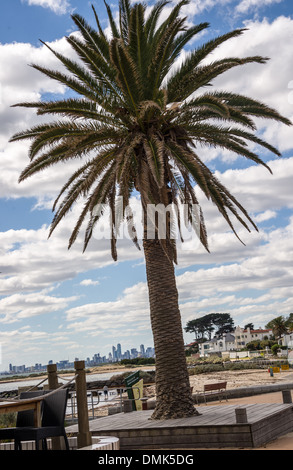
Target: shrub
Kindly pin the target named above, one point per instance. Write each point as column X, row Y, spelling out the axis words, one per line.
column 275, row 349
column 147, row 376
column 208, row 368
column 202, row 369
column 138, row 361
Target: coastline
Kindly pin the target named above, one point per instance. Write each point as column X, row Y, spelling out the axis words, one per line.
column 90, row 371
column 234, row 378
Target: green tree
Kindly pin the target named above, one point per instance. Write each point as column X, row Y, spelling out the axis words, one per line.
column 223, row 322
column 137, row 124
column 193, row 349
column 279, row 326
column 197, row 327
column 203, row 327
column 275, row 348
column 267, row 343
column 253, row 345
column 289, row 322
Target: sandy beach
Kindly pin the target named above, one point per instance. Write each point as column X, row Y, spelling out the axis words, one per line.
column 240, row 378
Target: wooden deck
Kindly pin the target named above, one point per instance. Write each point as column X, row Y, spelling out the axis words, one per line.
column 216, row 428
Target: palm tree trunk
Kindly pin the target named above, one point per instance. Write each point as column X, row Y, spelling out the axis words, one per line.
column 173, row 393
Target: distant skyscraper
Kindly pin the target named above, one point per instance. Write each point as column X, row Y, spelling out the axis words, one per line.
column 114, row 353
column 150, row 352
column 134, row 353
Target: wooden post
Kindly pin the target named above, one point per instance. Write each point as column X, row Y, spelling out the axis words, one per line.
column 127, row 406
column 241, row 415
column 52, row 376
column 57, row 442
column 84, row 437
column 287, row 398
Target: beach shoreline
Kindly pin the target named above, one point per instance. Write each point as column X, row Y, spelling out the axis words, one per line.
column 89, row 371
column 234, row 378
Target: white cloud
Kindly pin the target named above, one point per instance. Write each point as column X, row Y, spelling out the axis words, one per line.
column 125, row 318
column 267, row 215
column 30, row 261
column 60, row 7
column 257, row 189
column 266, row 273
column 21, row 344
column 271, row 40
column 266, row 82
column 262, row 194
column 19, row 306
column 89, row 282
column 131, row 306
column 264, row 269
column 21, row 83
column 245, row 5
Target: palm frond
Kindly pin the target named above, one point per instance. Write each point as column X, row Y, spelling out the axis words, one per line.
column 185, row 37
column 126, row 73
column 154, row 150
column 114, row 28
column 75, row 109
column 195, row 58
column 252, row 107
column 94, row 94
column 161, row 62
column 203, row 75
column 100, row 29
column 93, row 40
column 215, row 136
column 95, row 62
column 99, row 197
column 154, row 15
column 81, row 181
column 210, row 102
column 124, row 19
column 137, row 41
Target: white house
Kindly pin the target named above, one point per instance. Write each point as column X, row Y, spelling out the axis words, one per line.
column 287, row 340
column 218, row 344
column 242, row 336
column 233, row 341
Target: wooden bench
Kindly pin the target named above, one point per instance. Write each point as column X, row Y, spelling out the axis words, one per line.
column 218, row 389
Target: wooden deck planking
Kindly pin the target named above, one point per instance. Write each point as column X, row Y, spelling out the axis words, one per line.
column 278, row 424
column 215, row 427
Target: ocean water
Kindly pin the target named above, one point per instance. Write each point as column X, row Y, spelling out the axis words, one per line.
column 13, row 385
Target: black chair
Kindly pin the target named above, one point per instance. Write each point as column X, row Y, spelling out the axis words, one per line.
column 53, row 416
column 24, row 418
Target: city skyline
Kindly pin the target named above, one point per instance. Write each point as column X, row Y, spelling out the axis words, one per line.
column 115, row 356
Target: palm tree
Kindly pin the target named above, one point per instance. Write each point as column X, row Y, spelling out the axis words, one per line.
column 279, row 326
column 137, row 124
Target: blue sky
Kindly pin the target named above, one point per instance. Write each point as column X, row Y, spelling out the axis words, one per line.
column 59, row 304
